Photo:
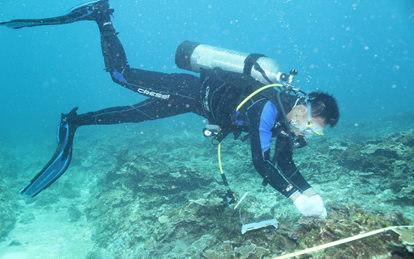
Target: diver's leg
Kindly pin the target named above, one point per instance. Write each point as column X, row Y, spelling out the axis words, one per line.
column 82, row 12
column 156, row 85
column 112, row 49
column 150, row 109
column 148, row 83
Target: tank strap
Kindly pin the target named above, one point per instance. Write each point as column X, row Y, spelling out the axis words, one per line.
column 250, row 61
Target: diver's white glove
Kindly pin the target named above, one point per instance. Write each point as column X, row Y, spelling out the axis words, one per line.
column 310, row 206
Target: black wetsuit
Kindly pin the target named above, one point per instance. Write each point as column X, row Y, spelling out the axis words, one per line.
column 215, row 96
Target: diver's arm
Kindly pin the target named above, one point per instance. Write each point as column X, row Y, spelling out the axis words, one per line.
column 306, row 200
column 290, row 182
column 287, row 167
column 262, row 116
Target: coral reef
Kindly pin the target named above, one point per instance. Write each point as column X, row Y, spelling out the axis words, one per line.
column 8, row 210
column 158, row 202
column 341, row 223
column 381, row 166
column 143, row 207
column 130, row 205
column 406, row 237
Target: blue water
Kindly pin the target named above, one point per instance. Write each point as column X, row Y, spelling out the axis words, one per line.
column 360, row 51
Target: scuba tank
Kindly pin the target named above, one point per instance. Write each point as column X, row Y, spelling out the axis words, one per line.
column 195, row 56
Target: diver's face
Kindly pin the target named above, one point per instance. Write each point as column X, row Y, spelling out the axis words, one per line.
column 298, row 116
column 299, row 123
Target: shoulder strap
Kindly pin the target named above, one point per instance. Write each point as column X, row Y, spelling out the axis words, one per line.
column 250, row 61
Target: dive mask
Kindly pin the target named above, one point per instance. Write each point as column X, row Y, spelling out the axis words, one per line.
column 311, row 128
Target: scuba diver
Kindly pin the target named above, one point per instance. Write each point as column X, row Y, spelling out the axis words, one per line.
column 230, row 96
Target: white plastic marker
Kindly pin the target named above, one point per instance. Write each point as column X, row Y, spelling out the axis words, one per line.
column 240, row 200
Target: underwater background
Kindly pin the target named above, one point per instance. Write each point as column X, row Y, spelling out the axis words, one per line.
column 152, row 190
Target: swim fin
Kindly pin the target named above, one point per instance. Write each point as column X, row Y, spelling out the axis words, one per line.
column 60, row 160
column 82, row 12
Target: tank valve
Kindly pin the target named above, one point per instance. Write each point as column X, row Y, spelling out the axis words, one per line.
column 292, row 74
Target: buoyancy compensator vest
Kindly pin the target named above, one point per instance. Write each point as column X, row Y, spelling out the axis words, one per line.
column 221, row 91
